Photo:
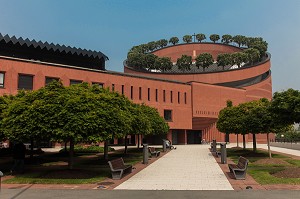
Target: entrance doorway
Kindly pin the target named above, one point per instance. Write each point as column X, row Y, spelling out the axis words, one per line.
column 194, row 137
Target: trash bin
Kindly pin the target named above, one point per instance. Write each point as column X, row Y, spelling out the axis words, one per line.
column 223, row 153
column 1, row 174
column 145, row 154
column 164, row 145
column 214, row 146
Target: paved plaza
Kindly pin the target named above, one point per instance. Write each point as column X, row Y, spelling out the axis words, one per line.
column 189, row 167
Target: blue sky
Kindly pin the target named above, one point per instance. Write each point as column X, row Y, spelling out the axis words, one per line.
column 114, row 26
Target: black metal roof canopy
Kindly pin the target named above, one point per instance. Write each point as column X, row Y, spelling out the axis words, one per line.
column 54, row 53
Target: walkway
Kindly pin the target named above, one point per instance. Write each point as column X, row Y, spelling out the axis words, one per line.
column 279, row 149
column 189, row 167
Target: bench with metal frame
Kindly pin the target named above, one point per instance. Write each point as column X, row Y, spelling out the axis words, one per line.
column 240, row 169
column 153, row 152
column 118, row 168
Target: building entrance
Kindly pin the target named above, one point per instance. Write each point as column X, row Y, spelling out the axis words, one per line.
column 194, row 137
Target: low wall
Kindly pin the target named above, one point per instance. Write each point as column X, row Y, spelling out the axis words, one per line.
column 287, row 145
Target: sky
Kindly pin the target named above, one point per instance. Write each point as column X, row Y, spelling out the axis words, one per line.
column 114, row 26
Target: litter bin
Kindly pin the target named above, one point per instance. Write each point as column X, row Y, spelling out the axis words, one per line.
column 145, row 154
column 214, row 146
column 1, row 174
column 223, row 153
column 164, row 145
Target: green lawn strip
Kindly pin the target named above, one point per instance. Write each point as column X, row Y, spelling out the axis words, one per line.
column 38, row 173
column 262, row 173
column 37, row 178
column 263, row 176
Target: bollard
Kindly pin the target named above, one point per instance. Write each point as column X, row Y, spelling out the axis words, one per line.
column 164, row 145
column 223, row 153
column 145, row 154
column 214, row 146
column 1, row 174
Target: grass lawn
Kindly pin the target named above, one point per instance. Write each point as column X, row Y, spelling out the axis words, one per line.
column 278, row 170
column 52, row 168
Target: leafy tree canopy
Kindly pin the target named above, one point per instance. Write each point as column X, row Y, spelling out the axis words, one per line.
column 184, row 62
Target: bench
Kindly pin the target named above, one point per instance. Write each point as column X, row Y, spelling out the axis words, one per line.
column 153, row 152
column 239, row 169
column 118, row 168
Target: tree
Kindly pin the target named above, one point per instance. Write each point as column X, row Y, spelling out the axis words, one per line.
column 184, row 62
column 239, row 39
column 286, row 107
column 136, row 60
column 239, row 58
column 252, row 54
column 200, row 37
column 204, row 60
column 224, row 60
column 163, row 43
column 226, row 39
column 174, row 40
column 152, row 45
column 187, row 38
column 262, row 47
column 163, row 63
column 4, row 102
column 214, row 37
column 149, row 60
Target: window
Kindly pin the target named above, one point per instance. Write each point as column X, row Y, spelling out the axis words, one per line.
column 156, row 95
column 122, row 90
column 140, row 93
column 131, row 92
column 164, row 95
column 178, row 97
column 185, row 97
column 73, row 81
column 149, row 94
column 2, row 74
column 171, row 96
column 50, row 79
column 113, row 87
column 25, row 82
column 168, row 115
column 98, row 83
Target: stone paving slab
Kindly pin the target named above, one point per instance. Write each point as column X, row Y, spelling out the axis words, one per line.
column 189, row 167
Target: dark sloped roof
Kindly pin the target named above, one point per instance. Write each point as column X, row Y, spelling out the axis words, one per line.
column 52, row 47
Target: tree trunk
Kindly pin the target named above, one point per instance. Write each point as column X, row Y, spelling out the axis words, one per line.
column 254, row 142
column 244, row 142
column 31, row 149
column 237, row 140
column 71, row 154
column 106, row 150
column 269, row 149
column 138, row 144
column 126, row 145
column 66, row 146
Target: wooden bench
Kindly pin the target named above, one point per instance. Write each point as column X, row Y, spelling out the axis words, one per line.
column 153, row 152
column 118, row 168
column 239, row 169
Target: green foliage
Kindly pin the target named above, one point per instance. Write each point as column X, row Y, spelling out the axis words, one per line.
column 184, row 62
column 149, row 60
column 253, row 55
column 163, row 63
column 162, row 43
column 239, row 39
column 152, row 45
column 286, row 107
column 224, row 59
column 238, row 58
column 226, row 39
column 204, row 60
column 214, row 37
column 187, row 38
column 174, row 40
column 200, row 37
column 136, row 60
column 88, row 149
column 261, row 46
